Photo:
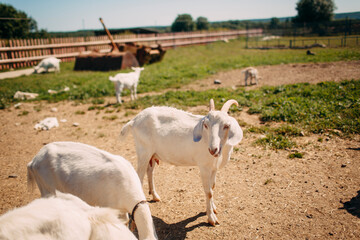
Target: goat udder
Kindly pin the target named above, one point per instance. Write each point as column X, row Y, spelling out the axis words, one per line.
column 155, row 159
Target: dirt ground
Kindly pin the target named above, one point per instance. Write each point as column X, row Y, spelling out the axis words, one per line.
column 260, row 193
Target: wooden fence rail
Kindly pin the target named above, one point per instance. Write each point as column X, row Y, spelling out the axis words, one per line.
column 28, row 52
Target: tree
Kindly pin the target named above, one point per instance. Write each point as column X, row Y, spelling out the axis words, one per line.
column 183, row 23
column 314, row 11
column 274, row 23
column 202, row 23
column 15, row 23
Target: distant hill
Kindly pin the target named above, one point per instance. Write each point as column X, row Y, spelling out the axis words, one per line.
column 350, row 15
column 337, row 16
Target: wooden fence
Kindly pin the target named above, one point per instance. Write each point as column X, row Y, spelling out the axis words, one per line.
column 28, row 52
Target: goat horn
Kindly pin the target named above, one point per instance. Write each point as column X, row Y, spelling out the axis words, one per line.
column 212, row 105
column 227, row 105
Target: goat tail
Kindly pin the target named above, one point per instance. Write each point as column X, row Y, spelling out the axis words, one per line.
column 246, row 69
column 30, row 179
column 125, row 129
column 113, row 79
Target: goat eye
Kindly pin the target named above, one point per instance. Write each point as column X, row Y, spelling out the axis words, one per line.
column 226, row 127
column 206, row 126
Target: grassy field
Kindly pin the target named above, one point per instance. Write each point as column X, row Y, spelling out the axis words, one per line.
column 180, row 66
column 305, row 107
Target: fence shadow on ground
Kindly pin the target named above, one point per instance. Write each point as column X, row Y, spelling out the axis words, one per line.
column 177, row 231
column 353, row 206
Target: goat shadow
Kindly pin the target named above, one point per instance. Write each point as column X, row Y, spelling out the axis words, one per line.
column 177, row 231
column 353, row 206
column 355, row 149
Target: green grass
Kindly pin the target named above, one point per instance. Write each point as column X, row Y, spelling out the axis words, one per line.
column 277, row 137
column 314, row 108
column 284, row 130
column 181, row 99
column 23, row 113
column 275, row 141
column 180, row 66
column 326, row 105
column 296, row 155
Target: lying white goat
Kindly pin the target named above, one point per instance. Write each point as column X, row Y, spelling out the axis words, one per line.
column 251, row 73
column 47, row 63
column 184, row 139
column 97, row 177
column 127, row 81
column 25, row 95
column 61, row 218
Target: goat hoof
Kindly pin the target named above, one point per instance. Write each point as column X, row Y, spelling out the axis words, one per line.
column 212, row 223
column 212, row 220
column 156, row 199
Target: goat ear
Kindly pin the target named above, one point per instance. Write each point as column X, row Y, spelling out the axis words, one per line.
column 197, row 133
column 235, row 133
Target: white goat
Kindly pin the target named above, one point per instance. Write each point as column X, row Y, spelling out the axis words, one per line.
column 25, row 95
column 251, row 73
column 47, row 63
column 128, row 81
column 61, row 218
column 97, row 177
column 184, row 139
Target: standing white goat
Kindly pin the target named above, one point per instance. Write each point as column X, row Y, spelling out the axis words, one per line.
column 184, row 139
column 251, row 73
column 96, row 176
column 61, row 218
column 127, row 81
column 47, row 63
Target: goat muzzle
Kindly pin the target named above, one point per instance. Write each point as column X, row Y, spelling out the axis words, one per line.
column 215, row 152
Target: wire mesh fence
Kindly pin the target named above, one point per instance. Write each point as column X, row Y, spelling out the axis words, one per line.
column 340, row 33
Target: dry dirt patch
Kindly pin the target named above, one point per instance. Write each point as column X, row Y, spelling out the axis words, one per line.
column 285, row 74
column 260, row 193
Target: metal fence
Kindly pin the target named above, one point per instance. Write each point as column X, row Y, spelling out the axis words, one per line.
column 272, row 42
column 337, row 33
column 28, row 52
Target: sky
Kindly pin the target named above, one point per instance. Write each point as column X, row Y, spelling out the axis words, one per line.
column 73, row 15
